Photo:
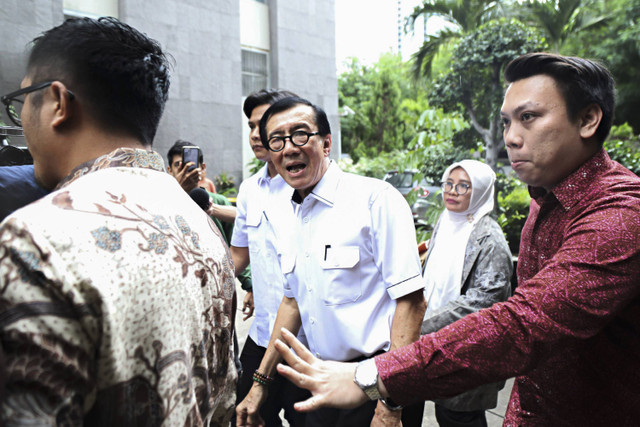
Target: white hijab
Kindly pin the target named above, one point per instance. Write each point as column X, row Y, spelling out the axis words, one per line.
column 443, row 270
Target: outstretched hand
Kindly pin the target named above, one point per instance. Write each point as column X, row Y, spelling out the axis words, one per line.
column 330, row 383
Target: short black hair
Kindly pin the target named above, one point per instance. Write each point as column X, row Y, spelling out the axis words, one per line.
column 581, row 81
column 176, row 149
column 262, row 97
column 120, row 76
column 285, row 104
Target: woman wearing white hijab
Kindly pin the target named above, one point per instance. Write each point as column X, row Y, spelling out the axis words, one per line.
column 468, row 267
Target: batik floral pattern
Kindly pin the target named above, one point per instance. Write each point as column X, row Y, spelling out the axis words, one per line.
column 117, row 306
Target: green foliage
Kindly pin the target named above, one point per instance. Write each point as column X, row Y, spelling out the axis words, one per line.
column 375, row 103
column 424, row 231
column 562, row 19
column 431, row 151
column 474, row 83
column 225, row 185
column 464, row 15
column 376, row 166
column 623, row 147
column 474, row 78
column 437, row 158
column 254, row 165
column 513, row 208
column 423, row 234
column 616, row 44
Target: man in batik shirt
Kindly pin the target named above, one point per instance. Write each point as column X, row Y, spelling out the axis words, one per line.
column 117, row 305
column 571, row 332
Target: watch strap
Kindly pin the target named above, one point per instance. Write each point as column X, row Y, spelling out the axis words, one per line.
column 390, row 404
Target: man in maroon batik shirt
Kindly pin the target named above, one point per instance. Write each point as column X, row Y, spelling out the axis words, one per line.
column 571, row 332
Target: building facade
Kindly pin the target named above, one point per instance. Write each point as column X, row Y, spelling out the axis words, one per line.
column 222, row 50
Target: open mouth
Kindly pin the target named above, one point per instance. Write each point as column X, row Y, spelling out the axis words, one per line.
column 295, row 168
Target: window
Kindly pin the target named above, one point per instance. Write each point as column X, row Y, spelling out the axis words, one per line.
column 255, row 71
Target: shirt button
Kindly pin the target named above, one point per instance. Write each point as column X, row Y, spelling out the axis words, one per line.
column 317, row 355
column 306, row 254
column 305, row 219
column 313, row 321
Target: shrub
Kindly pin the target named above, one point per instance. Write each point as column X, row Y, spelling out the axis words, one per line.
column 513, row 208
column 374, row 167
column 623, row 147
column 225, row 185
column 254, row 165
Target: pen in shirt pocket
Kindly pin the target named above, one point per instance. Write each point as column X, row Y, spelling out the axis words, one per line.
column 326, row 248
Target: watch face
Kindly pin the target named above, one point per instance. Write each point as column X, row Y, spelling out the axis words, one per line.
column 366, row 377
column 366, row 373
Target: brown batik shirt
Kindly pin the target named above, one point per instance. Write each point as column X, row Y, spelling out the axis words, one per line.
column 116, row 302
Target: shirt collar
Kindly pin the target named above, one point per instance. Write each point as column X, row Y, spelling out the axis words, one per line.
column 121, row 157
column 264, row 179
column 263, row 175
column 325, row 190
column 572, row 189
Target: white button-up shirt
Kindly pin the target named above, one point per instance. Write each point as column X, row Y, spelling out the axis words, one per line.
column 352, row 253
column 264, row 213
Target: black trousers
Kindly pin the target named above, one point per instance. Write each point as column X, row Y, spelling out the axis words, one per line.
column 282, row 393
column 361, row 416
column 449, row 418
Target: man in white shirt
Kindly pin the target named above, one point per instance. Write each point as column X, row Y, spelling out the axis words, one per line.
column 263, row 215
column 351, row 265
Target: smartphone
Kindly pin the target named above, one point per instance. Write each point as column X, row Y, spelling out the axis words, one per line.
column 191, row 153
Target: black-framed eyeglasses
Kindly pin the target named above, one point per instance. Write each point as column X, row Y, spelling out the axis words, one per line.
column 461, row 188
column 15, row 100
column 297, row 138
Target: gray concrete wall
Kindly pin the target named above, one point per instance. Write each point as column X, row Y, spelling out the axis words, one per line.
column 203, row 37
column 20, row 22
column 206, row 86
column 303, row 54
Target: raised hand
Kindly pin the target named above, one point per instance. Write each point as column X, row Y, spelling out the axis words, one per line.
column 330, row 383
column 188, row 179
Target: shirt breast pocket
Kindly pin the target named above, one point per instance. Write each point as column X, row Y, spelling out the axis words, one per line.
column 254, row 236
column 341, row 275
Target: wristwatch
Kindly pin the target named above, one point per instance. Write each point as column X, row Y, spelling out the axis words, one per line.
column 366, row 378
column 390, row 404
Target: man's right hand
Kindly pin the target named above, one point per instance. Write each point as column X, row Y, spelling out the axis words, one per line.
column 330, row 383
column 247, row 306
column 247, row 412
column 188, row 179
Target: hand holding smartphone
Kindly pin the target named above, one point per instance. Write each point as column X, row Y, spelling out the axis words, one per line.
column 191, row 153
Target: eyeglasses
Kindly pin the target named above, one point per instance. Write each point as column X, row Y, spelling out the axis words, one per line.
column 297, row 138
column 461, row 188
column 15, row 100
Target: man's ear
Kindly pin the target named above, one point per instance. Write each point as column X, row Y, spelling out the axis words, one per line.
column 326, row 144
column 203, row 166
column 61, row 104
column 590, row 119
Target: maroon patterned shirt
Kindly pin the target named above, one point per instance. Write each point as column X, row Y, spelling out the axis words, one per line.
column 571, row 332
